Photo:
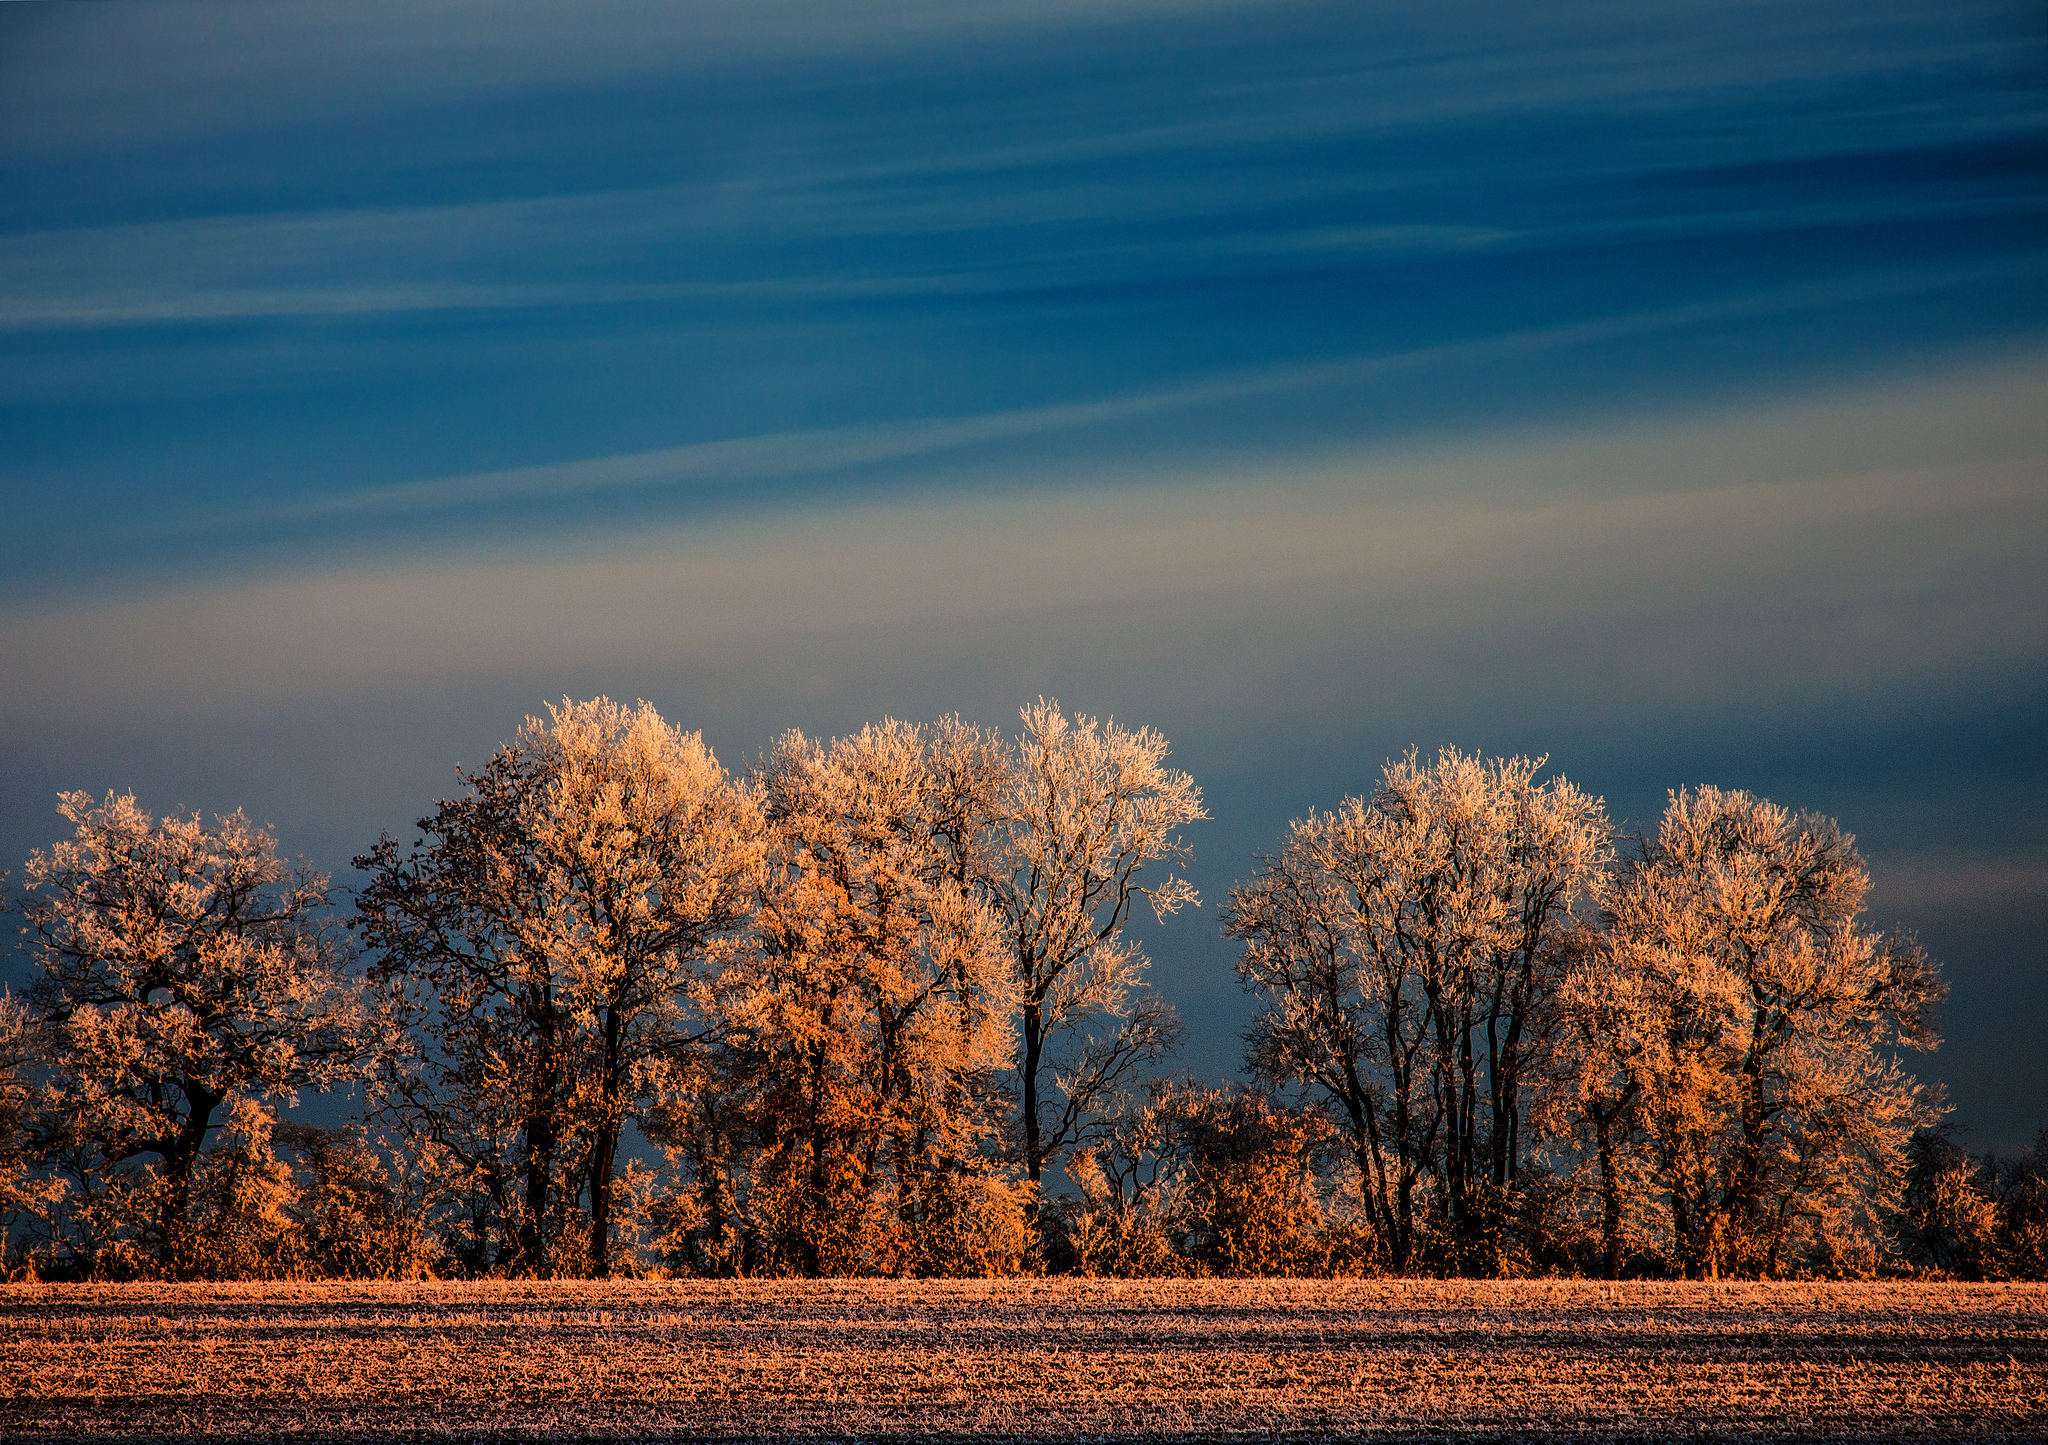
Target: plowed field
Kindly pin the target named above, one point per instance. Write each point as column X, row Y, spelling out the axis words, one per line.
column 1032, row 1360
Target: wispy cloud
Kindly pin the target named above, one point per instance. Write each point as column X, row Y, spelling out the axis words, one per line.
column 212, row 68
column 550, row 254
column 1711, row 563
column 795, row 455
column 1264, row 138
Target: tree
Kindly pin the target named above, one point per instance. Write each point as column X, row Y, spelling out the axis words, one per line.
column 1948, row 1220
column 1778, row 1116
column 242, row 1199
column 479, row 1088
column 182, row 969
column 27, row 1196
column 1409, row 948
column 2019, row 1189
column 359, row 1214
column 1603, row 1046
column 1251, row 1204
column 1131, row 1177
column 551, row 937
column 869, row 1019
column 650, row 854
column 1084, row 808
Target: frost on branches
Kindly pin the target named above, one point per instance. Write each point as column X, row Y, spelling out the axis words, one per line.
column 939, row 990
column 849, row 1120
column 1757, row 1020
column 1408, row 948
column 1541, row 1063
column 549, row 941
column 866, row 1003
column 184, row 973
column 1086, row 807
column 849, row 995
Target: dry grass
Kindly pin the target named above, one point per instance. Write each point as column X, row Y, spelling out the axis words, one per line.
column 1027, row 1360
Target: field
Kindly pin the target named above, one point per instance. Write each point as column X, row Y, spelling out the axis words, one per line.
column 1026, row 1360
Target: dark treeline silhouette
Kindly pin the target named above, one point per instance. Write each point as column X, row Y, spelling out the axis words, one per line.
column 614, row 1009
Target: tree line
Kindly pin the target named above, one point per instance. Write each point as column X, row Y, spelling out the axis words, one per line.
column 874, row 1007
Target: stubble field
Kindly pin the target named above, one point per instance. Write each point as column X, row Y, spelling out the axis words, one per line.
column 1023, row 1360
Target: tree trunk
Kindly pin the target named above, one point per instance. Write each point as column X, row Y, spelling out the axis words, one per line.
column 1504, row 1079
column 605, row 1148
column 541, row 1139
column 1034, row 1158
column 1499, row 1087
column 818, row 1180
column 543, row 1133
column 1404, row 1167
column 174, row 1212
column 1372, row 1172
column 1610, row 1197
column 540, row 1167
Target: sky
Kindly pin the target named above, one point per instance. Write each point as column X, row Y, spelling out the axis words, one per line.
column 1658, row 387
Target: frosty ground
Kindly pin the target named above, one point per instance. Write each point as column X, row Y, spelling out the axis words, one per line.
column 1030, row 1359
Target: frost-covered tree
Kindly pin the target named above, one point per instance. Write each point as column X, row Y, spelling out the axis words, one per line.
column 26, row 1194
column 1132, row 1181
column 1408, row 948
column 866, row 1026
column 481, row 1086
column 650, row 854
column 242, row 1203
column 1767, row 1015
column 183, row 969
column 1084, row 807
column 1251, row 1203
column 550, row 938
column 1948, row 1222
column 1603, row 1047
column 360, row 1210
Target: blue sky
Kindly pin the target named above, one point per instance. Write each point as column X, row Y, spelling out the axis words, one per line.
column 1662, row 387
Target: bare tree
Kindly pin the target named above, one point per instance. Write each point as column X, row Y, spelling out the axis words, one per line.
column 1086, row 807
column 182, row 968
column 550, row 936
column 1778, row 1116
column 1409, row 950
